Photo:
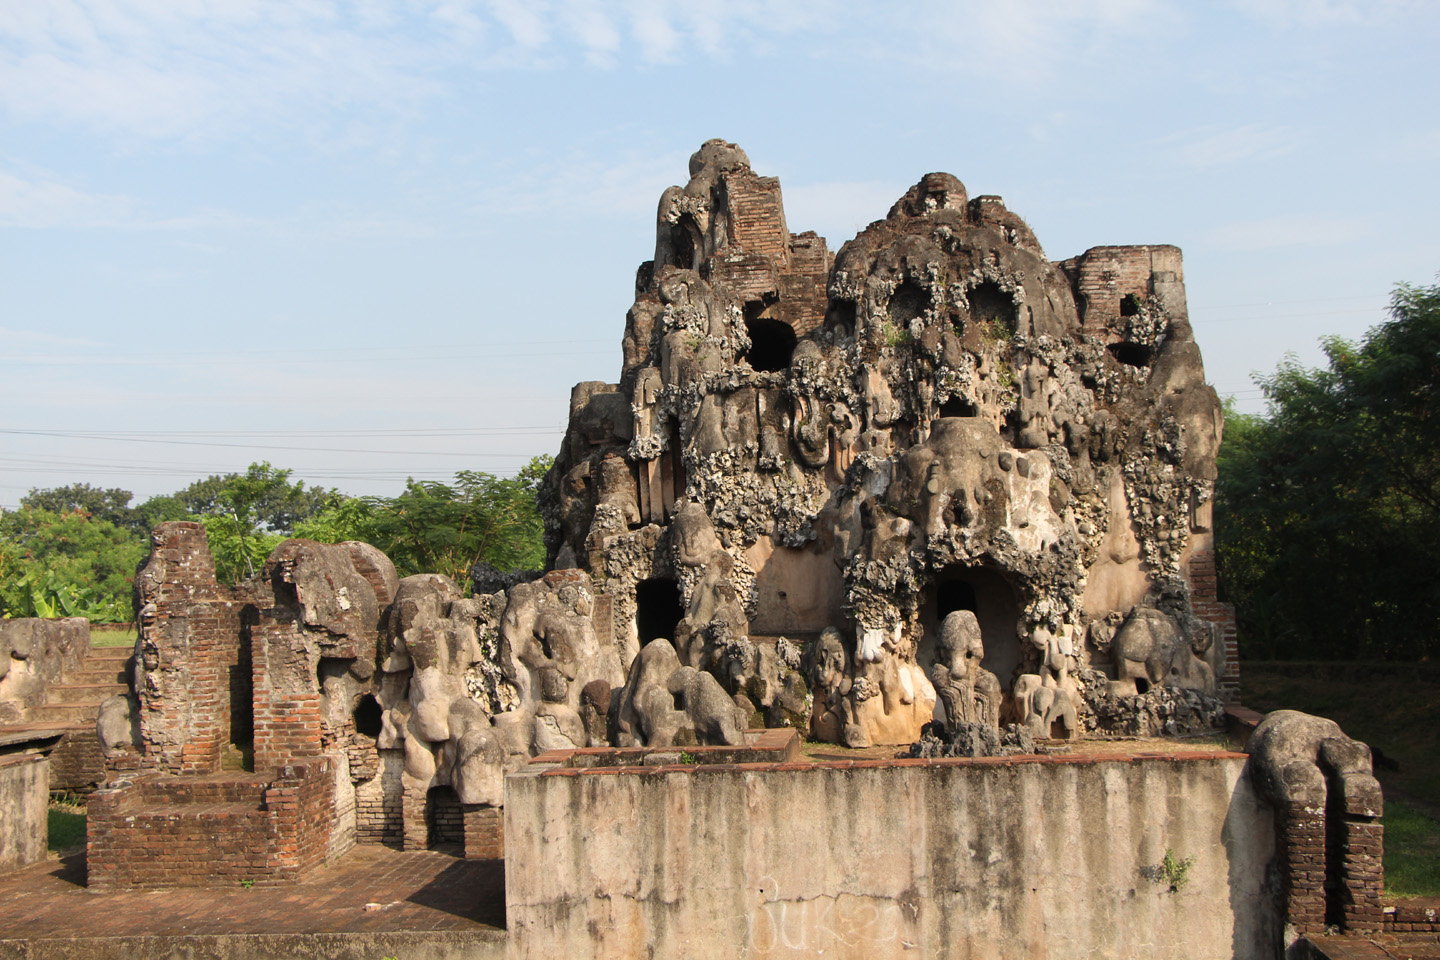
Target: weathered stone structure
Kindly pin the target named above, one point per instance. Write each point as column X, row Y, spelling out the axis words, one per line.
column 936, row 419
column 325, row 701
column 935, row 490
column 52, row 683
column 35, row 654
column 1327, row 808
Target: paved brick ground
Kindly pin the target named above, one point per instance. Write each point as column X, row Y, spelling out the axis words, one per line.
column 419, row 890
column 1386, row 947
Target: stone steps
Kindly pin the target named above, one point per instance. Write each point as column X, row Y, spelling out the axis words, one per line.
column 83, row 694
column 105, row 675
column 105, row 655
column 76, row 713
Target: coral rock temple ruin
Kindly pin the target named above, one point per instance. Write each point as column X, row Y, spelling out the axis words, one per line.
column 932, row 491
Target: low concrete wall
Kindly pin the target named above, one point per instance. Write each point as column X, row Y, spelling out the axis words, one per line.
column 24, row 806
column 1052, row 857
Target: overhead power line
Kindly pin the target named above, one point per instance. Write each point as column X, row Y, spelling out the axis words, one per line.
column 120, row 438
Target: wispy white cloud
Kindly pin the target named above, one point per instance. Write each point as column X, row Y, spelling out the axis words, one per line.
column 150, row 69
column 45, row 202
column 591, row 26
column 1213, row 146
column 1273, row 233
column 1025, row 42
column 158, row 70
column 524, row 20
column 1325, row 13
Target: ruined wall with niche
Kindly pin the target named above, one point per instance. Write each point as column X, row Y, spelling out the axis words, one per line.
column 402, row 702
column 846, row 451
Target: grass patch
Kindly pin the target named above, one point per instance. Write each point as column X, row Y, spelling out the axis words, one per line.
column 67, row 828
column 113, row 638
column 1412, row 852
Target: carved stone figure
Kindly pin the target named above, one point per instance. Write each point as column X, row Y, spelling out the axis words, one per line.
column 970, row 693
column 665, row 703
column 1298, row 759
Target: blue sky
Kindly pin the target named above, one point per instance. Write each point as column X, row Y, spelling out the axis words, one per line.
column 369, row 240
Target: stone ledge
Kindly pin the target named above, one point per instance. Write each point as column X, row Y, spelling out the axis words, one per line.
column 412, row 945
column 802, row 766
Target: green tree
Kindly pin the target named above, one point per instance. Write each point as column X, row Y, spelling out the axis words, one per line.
column 274, row 503
column 66, row 564
column 242, row 518
column 1328, row 508
column 445, row 528
column 111, row 503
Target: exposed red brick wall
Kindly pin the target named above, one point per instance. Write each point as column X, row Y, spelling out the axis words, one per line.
column 756, row 217
column 1302, row 868
column 1348, row 851
column 190, row 646
column 484, row 832
column 379, row 812
column 1106, row 275
column 804, row 297
column 1362, row 874
column 749, row 276
column 161, row 831
column 76, row 763
column 1204, row 601
column 287, row 718
column 444, row 818
column 1413, row 916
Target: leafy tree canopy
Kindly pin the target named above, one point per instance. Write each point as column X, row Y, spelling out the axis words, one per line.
column 66, row 564
column 73, row 550
column 1328, row 508
column 112, row 504
column 266, row 495
column 445, row 528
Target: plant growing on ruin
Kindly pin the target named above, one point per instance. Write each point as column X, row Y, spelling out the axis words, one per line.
column 1173, row 873
column 893, row 335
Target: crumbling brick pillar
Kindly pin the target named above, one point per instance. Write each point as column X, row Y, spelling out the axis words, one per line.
column 484, row 831
column 1362, row 873
column 1333, row 859
column 1327, row 810
column 412, row 818
column 189, row 643
column 1302, row 848
column 287, row 707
